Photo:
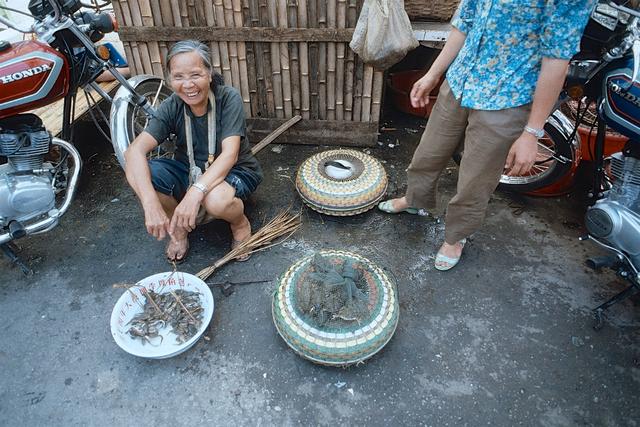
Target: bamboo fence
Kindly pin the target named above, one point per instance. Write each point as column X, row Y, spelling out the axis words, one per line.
column 285, row 57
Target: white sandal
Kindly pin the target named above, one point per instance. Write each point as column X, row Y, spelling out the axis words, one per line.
column 447, row 263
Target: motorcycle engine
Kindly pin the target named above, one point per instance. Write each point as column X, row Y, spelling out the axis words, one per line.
column 26, row 189
column 616, row 218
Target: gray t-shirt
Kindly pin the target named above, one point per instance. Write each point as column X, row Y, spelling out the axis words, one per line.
column 230, row 121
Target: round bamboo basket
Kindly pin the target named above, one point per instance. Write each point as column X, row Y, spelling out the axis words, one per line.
column 341, row 182
column 336, row 346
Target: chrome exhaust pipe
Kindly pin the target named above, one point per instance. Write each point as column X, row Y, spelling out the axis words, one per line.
column 54, row 215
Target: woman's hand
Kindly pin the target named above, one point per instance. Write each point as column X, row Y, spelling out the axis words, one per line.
column 184, row 216
column 156, row 221
column 522, row 155
column 421, row 90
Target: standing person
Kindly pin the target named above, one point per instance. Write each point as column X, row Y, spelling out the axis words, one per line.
column 213, row 170
column 505, row 64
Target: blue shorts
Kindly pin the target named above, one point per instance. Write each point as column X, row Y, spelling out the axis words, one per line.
column 171, row 177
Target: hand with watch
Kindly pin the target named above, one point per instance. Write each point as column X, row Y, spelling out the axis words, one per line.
column 523, row 152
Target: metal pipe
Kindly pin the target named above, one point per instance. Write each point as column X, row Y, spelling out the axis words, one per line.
column 55, row 214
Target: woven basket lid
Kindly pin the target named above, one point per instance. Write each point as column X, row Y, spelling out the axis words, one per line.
column 331, row 345
column 341, row 182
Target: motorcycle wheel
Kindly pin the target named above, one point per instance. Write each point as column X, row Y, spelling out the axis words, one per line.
column 556, row 158
column 155, row 91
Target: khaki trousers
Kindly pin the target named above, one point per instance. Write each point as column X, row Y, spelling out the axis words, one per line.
column 487, row 138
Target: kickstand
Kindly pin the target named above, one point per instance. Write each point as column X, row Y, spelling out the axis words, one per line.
column 599, row 311
column 9, row 251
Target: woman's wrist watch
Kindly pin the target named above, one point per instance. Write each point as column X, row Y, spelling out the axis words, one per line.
column 538, row 133
column 200, row 187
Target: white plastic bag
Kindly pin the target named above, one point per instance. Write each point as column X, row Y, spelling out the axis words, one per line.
column 383, row 34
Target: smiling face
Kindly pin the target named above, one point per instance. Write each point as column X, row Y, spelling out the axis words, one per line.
column 190, row 80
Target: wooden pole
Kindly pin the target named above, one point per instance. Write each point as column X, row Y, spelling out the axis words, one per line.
column 276, row 133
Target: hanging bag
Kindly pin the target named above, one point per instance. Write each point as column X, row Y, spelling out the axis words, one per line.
column 383, row 34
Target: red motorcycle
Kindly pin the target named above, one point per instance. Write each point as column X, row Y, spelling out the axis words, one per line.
column 39, row 172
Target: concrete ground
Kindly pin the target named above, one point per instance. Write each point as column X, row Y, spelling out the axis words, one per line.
column 504, row 339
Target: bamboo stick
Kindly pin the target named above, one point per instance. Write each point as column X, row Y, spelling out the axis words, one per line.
column 175, row 11
column 285, row 64
column 202, row 12
column 357, row 96
column 275, row 64
column 376, row 103
column 154, row 48
column 242, row 59
column 331, row 63
column 340, row 61
column 184, row 14
column 129, row 46
column 366, row 93
column 251, row 61
column 136, row 47
column 266, row 61
column 292, row 20
column 233, row 46
column 192, row 15
column 166, row 19
column 304, row 63
column 210, row 18
column 117, row 9
column 218, row 7
column 314, row 63
column 260, row 81
column 349, row 77
column 322, row 63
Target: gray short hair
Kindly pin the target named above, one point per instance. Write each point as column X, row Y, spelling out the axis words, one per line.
column 186, row 46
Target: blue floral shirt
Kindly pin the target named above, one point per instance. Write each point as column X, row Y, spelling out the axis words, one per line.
column 498, row 65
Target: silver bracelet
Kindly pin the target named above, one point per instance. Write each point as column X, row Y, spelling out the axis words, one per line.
column 201, row 187
column 538, row 133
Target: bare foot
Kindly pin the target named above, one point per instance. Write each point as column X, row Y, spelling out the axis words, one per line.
column 400, row 203
column 452, row 251
column 177, row 249
column 241, row 230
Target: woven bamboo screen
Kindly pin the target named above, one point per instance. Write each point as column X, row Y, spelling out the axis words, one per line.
column 286, row 57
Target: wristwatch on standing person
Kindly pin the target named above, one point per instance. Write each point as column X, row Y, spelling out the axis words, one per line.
column 538, row 133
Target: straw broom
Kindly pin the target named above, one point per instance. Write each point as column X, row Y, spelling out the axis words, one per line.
column 283, row 224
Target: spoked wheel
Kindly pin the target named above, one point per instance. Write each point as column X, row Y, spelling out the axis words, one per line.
column 555, row 159
column 558, row 156
column 155, row 91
